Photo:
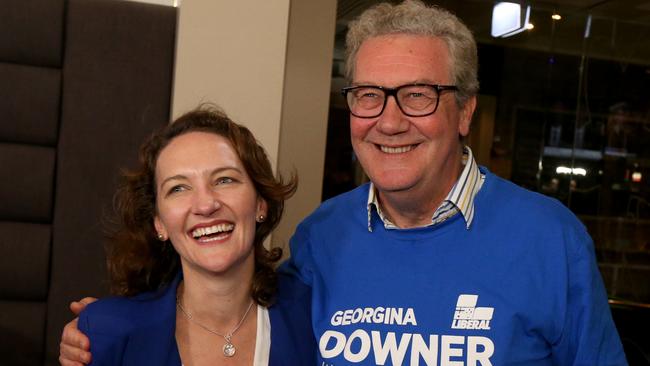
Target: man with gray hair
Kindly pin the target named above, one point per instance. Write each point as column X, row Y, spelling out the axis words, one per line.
column 438, row 261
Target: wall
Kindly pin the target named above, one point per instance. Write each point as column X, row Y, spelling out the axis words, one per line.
column 268, row 64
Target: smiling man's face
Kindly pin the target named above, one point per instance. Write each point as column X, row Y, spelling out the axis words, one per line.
column 409, row 154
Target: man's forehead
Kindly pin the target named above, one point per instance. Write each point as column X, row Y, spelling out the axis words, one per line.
column 405, row 58
column 404, row 49
column 390, row 58
column 394, row 39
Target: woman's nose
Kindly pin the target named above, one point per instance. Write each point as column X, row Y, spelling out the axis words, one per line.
column 206, row 203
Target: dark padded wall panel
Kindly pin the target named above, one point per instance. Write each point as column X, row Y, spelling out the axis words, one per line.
column 32, row 32
column 31, row 36
column 117, row 74
column 29, row 111
column 24, row 261
column 26, row 193
column 22, row 330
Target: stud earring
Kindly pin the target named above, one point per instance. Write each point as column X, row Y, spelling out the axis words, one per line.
column 161, row 237
column 260, row 218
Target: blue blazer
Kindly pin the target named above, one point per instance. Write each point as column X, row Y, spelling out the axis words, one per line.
column 141, row 330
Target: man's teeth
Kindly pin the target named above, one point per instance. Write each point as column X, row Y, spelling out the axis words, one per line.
column 202, row 231
column 396, row 150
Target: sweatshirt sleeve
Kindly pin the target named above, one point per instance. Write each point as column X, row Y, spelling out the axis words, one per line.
column 300, row 263
column 589, row 336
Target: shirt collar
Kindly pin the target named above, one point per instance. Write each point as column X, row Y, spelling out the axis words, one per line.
column 459, row 199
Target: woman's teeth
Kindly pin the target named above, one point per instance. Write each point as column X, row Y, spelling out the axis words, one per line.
column 210, row 230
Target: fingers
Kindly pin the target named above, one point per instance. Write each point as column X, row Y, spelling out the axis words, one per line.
column 67, row 362
column 73, row 337
column 74, row 346
column 78, row 306
column 73, row 356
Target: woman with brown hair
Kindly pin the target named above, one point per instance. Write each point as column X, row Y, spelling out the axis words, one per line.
column 196, row 285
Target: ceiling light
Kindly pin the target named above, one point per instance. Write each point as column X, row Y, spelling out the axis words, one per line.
column 575, row 171
column 509, row 19
column 556, row 16
column 529, row 26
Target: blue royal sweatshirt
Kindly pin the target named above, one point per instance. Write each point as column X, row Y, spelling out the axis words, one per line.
column 519, row 287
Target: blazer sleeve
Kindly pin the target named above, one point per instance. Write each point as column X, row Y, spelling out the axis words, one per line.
column 292, row 338
column 108, row 334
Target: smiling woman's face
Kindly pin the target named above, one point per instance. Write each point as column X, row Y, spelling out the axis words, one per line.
column 206, row 203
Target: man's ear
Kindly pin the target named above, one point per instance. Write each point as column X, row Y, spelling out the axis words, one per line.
column 466, row 113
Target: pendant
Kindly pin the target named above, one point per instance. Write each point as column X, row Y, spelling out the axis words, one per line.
column 229, row 349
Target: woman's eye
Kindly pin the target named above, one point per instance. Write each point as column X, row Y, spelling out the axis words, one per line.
column 224, row 180
column 176, row 189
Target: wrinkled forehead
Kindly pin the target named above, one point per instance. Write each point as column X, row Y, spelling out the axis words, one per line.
column 409, row 58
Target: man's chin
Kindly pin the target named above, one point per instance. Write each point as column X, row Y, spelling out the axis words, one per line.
column 392, row 184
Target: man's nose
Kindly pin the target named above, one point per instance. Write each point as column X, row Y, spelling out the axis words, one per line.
column 392, row 121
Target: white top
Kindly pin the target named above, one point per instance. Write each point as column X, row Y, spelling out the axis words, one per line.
column 262, row 338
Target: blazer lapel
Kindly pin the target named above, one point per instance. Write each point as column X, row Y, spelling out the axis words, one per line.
column 156, row 344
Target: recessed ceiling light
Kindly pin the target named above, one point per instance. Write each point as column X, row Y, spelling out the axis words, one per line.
column 509, row 19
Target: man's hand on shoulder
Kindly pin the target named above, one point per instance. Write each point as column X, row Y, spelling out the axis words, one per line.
column 74, row 349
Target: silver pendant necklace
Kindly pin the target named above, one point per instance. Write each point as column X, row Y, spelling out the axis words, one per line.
column 228, row 348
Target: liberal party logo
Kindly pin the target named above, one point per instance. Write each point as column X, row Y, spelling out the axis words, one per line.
column 468, row 316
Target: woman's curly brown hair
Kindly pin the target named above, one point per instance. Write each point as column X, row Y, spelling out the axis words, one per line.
column 137, row 260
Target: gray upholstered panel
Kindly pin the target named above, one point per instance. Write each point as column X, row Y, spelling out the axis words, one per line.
column 26, row 186
column 21, row 336
column 24, row 261
column 117, row 74
column 32, row 32
column 29, row 111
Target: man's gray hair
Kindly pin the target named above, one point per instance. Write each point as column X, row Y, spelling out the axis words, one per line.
column 414, row 17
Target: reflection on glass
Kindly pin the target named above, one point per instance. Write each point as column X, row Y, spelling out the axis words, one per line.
column 564, row 110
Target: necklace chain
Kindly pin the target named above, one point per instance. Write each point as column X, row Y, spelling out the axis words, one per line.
column 228, row 348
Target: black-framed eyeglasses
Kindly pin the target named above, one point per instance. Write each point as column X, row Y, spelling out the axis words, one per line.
column 414, row 100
